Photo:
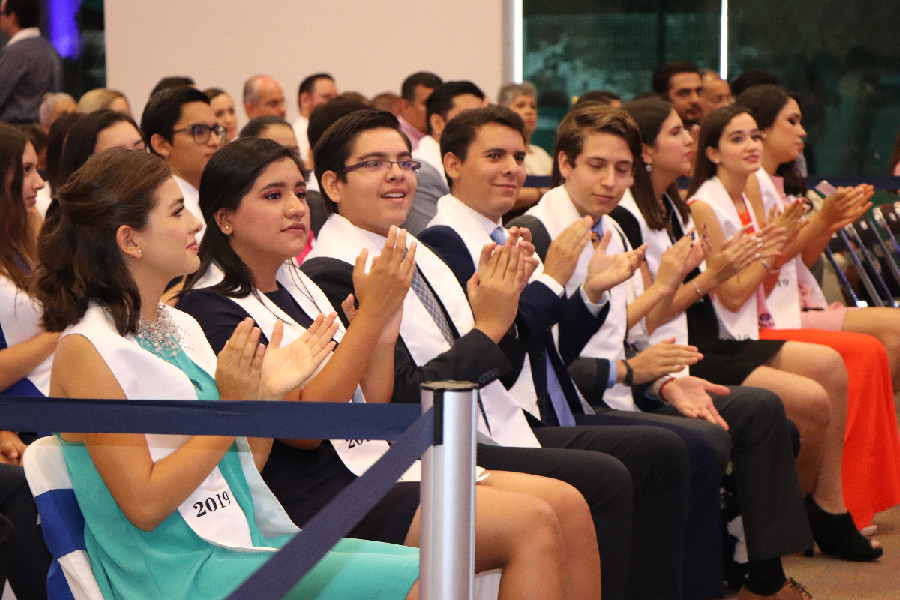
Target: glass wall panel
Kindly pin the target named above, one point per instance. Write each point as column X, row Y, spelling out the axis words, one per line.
column 843, row 60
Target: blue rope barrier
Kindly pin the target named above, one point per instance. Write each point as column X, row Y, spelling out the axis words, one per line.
column 286, row 420
column 280, row 573
column 413, row 432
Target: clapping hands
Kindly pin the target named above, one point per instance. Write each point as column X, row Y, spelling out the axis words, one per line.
column 247, row 370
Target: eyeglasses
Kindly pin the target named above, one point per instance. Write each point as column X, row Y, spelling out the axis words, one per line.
column 201, row 132
column 379, row 165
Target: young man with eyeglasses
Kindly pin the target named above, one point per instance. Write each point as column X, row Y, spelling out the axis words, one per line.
column 180, row 126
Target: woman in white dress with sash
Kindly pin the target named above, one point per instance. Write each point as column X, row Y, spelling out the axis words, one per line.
column 26, row 352
column 809, row 377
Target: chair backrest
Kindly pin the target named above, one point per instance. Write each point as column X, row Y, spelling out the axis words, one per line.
column 70, row 575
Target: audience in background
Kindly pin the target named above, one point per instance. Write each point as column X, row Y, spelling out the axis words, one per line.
column 414, row 92
column 104, row 98
column 171, row 81
column 715, row 92
column 445, row 102
column 315, row 90
column 54, row 106
column 604, row 97
column 522, row 99
column 29, row 65
column 223, row 108
column 179, row 125
column 263, row 96
column 388, row 101
column 680, row 83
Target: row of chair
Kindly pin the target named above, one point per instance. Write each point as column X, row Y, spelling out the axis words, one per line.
column 872, row 247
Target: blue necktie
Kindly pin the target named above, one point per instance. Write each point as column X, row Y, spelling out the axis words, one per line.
column 554, row 389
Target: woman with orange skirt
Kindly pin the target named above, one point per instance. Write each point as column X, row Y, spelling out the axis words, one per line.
column 766, row 295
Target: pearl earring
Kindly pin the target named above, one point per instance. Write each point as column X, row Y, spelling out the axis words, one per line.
column 140, row 252
column 649, row 167
column 226, row 227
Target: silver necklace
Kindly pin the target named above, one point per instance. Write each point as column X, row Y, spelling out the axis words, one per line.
column 162, row 337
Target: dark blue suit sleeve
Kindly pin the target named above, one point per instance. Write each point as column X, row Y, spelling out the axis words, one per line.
column 472, row 357
column 447, row 244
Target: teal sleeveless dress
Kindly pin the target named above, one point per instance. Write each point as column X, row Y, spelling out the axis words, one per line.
column 172, row 562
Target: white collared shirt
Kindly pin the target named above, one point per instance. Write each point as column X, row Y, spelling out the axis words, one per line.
column 24, row 34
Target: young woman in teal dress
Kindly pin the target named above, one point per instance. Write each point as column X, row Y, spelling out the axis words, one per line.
column 121, row 236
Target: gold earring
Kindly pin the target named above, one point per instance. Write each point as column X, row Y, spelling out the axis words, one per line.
column 226, row 227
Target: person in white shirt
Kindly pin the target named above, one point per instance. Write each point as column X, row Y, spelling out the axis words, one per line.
column 179, row 125
column 315, row 90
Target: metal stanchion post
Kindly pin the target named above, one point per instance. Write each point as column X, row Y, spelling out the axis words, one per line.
column 447, row 539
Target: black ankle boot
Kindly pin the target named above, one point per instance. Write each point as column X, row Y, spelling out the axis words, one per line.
column 837, row 535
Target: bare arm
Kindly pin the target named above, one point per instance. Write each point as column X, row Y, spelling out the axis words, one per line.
column 659, row 294
column 21, row 359
column 146, row 492
column 737, row 289
column 365, row 355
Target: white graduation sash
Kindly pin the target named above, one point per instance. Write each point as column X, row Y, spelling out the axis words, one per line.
column 143, row 375
column 556, row 211
column 357, row 455
column 342, row 240
column 20, row 320
column 658, row 242
column 784, row 301
column 744, row 322
column 451, row 212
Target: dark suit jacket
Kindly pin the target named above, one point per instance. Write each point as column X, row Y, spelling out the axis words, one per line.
column 591, row 375
column 318, row 212
column 472, row 357
column 28, row 69
column 539, row 310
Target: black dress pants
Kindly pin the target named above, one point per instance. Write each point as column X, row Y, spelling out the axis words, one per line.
column 635, row 481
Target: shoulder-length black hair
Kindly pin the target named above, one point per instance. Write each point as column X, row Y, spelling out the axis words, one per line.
column 228, row 176
column 764, row 102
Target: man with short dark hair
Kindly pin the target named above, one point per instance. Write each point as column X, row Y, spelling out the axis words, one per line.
column 445, row 102
column 413, row 94
column 680, row 83
column 448, row 100
column 180, row 126
column 315, row 90
column 263, row 96
column 29, row 66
